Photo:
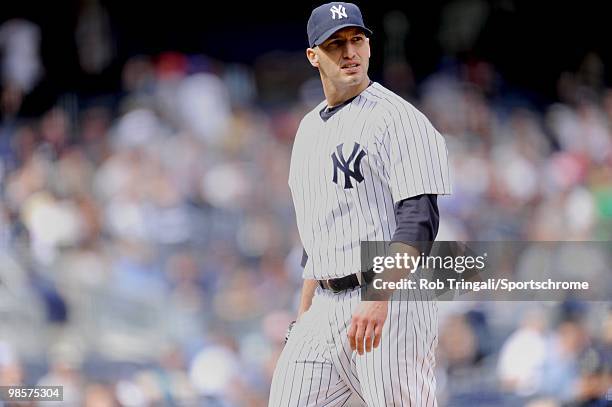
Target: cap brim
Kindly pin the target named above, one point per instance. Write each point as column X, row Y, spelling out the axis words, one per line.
column 329, row 33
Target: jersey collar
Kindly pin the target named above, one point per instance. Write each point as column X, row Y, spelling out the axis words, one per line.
column 327, row 112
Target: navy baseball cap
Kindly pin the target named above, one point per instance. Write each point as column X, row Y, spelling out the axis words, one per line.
column 331, row 17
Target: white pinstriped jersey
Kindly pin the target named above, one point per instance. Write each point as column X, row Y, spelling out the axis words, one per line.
column 348, row 172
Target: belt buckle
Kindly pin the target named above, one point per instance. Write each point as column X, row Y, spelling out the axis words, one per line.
column 331, row 286
column 359, row 275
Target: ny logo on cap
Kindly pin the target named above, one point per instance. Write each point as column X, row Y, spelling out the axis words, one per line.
column 343, row 164
column 339, row 11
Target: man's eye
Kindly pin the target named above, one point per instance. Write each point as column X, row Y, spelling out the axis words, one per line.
column 357, row 39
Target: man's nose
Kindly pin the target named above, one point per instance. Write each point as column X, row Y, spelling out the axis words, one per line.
column 349, row 50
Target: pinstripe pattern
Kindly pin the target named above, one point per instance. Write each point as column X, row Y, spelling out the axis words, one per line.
column 405, row 157
column 318, row 368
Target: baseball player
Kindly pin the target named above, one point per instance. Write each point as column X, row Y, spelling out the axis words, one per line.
column 366, row 166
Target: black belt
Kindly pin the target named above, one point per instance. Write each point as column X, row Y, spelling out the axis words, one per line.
column 348, row 282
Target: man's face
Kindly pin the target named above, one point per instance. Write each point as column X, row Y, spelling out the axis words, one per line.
column 343, row 58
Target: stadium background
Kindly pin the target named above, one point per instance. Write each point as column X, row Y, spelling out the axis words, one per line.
column 148, row 251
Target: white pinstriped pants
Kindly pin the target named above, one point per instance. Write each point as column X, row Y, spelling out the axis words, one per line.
column 318, row 368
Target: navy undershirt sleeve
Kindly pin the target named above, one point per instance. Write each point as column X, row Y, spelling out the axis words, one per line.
column 417, row 221
column 304, row 258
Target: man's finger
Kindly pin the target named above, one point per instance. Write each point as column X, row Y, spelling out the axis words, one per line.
column 369, row 333
column 351, row 335
column 359, row 337
column 377, row 335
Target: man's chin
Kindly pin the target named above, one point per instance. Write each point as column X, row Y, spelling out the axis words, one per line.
column 352, row 80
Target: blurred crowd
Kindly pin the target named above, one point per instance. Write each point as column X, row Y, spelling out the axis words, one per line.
column 148, row 248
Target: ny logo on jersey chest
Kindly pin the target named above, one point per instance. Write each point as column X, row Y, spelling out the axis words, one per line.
column 344, row 165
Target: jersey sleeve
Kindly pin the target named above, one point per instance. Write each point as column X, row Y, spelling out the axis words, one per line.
column 294, row 157
column 413, row 154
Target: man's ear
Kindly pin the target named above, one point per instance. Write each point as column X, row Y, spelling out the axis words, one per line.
column 312, row 56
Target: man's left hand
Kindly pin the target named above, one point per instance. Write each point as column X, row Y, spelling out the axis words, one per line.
column 367, row 325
